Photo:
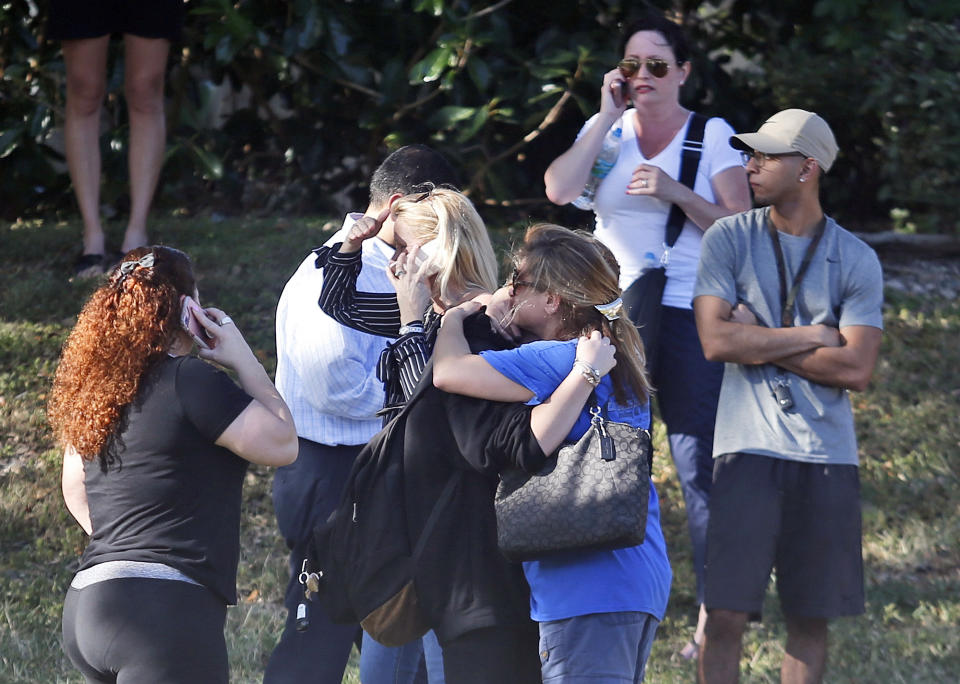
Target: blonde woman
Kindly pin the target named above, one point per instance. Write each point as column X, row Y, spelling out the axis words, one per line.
column 444, row 258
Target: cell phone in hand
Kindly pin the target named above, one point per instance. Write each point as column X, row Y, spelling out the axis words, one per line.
column 620, row 91
column 426, row 251
column 190, row 312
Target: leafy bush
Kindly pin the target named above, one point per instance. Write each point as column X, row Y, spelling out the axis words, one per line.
column 318, row 91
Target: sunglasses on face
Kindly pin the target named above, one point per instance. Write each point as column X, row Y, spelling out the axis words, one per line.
column 516, row 283
column 760, row 158
column 630, row 66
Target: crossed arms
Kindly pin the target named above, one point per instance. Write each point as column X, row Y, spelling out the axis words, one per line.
column 822, row 354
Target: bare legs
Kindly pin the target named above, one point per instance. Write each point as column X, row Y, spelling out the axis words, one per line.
column 86, row 64
column 803, row 663
column 720, row 653
column 146, row 62
column 806, row 656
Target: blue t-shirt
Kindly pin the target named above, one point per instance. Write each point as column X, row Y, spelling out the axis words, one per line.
column 631, row 579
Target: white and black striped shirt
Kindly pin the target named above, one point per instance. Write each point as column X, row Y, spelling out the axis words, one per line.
column 402, row 362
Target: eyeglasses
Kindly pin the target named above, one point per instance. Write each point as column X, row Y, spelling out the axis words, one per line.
column 760, row 158
column 629, row 66
column 516, row 283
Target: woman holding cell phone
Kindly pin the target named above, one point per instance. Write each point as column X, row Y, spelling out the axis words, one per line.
column 156, row 445
column 441, row 241
column 641, row 97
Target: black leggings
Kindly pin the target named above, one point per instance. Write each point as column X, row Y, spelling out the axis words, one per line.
column 146, row 630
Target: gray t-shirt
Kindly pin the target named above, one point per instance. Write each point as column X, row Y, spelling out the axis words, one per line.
column 843, row 287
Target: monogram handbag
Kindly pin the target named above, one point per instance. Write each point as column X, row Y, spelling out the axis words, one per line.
column 592, row 496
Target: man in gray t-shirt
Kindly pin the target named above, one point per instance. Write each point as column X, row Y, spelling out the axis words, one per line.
column 792, row 303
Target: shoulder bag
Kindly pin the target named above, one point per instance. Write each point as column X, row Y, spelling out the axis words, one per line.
column 593, row 495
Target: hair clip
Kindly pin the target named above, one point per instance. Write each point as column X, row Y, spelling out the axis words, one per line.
column 612, row 310
column 127, row 267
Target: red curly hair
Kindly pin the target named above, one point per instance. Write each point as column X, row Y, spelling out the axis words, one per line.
column 125, row 328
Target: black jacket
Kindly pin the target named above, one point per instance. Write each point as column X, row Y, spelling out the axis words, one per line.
column 463, row 581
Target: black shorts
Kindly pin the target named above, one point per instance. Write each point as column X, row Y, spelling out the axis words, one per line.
column 76, row 19
column 801, row 518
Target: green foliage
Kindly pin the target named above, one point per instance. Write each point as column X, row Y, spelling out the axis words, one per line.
column 318, row 91
column 894, row 106
column 914, row 81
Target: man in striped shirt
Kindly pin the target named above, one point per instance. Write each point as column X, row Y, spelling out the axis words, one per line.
column 326, row 372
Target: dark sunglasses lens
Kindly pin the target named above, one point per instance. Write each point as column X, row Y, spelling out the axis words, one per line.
column 658, row 67
column 629, row 67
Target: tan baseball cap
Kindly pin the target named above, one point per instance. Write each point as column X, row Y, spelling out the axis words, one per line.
column 792, row 130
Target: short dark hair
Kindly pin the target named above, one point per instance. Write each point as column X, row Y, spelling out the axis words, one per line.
column 412, row 168
column 671, row 31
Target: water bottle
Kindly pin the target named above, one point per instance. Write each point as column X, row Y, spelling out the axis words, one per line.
column 650, row 260
column 601, row 167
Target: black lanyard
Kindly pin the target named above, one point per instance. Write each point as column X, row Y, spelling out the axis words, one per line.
column 788, row 298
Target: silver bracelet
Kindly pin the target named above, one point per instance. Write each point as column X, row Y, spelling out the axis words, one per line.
column 415, row 326
column 589, row 373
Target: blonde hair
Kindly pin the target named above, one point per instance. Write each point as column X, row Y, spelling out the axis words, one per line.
column 464, row 258
column 583, row 273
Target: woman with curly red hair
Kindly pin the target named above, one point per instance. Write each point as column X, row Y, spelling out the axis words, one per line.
column 156, row 444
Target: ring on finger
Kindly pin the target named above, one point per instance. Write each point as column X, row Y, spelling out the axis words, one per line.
column 398, row 272
column 643, row 182
column 225, row 320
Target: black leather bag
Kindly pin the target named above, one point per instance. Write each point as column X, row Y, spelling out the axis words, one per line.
column 642, row 303
column 642, row 298
column 592, row 495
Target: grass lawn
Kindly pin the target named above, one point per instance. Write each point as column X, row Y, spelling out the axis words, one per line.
column 907, row 423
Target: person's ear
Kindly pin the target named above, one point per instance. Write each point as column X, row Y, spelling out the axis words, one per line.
column 808, row 170
column 552, row 305
column 686, row 68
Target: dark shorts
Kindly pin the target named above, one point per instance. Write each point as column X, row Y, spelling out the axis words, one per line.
column 76, row 19
column 802, row 519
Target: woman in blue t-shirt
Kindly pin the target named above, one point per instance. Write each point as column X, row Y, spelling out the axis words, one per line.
column 598, row 610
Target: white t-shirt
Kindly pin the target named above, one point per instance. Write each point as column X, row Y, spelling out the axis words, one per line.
column 631, row 226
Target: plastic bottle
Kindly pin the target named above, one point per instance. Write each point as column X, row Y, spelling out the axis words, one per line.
column 601, row 167
column 650, row 260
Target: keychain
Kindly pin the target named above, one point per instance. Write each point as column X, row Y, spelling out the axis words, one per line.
column 311, row 585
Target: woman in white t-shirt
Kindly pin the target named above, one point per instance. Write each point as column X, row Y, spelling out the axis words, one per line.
column 632, row 204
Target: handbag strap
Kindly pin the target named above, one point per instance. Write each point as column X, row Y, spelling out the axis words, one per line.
column 689, row 162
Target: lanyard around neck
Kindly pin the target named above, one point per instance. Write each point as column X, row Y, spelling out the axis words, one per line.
column 787, row 299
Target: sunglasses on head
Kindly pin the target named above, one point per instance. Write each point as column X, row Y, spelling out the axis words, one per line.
column 629, row 66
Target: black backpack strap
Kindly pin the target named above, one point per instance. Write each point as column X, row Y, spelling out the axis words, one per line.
column 439, row 508
column 689, row 161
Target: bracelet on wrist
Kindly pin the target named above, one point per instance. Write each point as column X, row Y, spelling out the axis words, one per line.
column 589, row 373
column 411, row 327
